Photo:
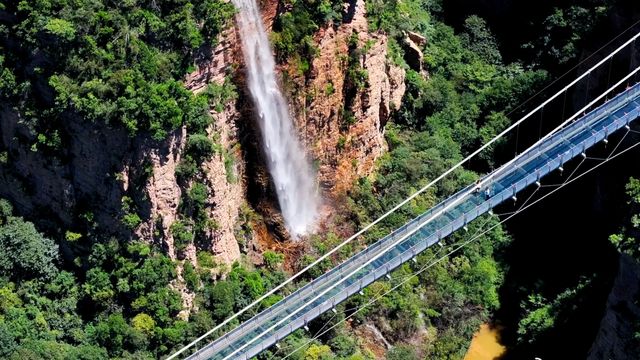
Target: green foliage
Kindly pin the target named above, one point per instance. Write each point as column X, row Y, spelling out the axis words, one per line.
column 479, row 39
column 356, row 76
column 402, row 352
column 293, row 30
column 24, row 252
column 220, row 299
column 469, row 89
column 441, row 119
column 205, row 260
column 329, row 89
column 7, row 341
column 230, row 167
column 396, row 16
column 113, row 333
column 190, row 276
column 6, row 209
column 72, row 236
column 627, row 241
column 196, row 199
column 272, row 259
column 219, row 95
column 540, row 315
column 318, row 352
column 131, row 221
column 130, row 218
column 61, row 28
column 143, row 322
column 200, row 147
column 343, row 345
column 563, row 29
column 98, row 286
column 116, row 62
column 52, row 350
column 186, row 169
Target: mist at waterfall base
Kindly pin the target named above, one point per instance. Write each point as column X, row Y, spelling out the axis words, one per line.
column 290, row 170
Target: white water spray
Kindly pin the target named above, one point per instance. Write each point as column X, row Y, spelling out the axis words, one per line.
column 289, row 168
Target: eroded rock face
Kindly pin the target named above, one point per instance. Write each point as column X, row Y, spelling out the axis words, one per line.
column 418, row 39
column 614, row 339
column 215, row 68
column 345, row 153
column 54, row 192
column 413, row 54
column 163, row 191
column 226, row 184
column 226, row 190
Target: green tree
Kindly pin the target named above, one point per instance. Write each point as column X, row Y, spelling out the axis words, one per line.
column 143, row 322
column 98, row 286
column 7, row 341
column 479, row 39
column 401, row 352
column 112, row 333
column 318, row 352
column 24, row 252
column 272, row 259
column 200, row 147
column 61, row 28
column 627, row 240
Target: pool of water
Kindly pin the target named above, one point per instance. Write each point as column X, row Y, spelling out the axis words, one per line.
column 486, row 344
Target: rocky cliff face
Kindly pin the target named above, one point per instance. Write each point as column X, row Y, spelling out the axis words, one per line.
column 345, row 153
column 224, row 173
column 615, row 338
column 53, row 191
column 104, row 164
column 163, row 191
column 225, row 177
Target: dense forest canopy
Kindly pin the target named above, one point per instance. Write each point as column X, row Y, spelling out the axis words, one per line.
column 80, row 294
column 117, row 62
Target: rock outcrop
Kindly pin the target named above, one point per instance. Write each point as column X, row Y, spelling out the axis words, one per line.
column 163, row 191
column 413, row 55
column 53, row 192
column 615, row 338
column 224, row 173
column 344, row 155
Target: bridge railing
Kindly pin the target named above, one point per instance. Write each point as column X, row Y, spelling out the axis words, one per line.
column 425, row 238
column 455, row 218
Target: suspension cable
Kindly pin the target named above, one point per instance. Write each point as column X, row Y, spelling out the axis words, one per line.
column 402, row 203
column 464, row 244
column 482, row 183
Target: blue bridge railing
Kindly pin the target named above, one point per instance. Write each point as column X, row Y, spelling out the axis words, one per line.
column 403, row 244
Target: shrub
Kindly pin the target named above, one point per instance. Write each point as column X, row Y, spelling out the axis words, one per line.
column 190, row 276
column 186, row 169
column 206, row 260
column 200, row 147
column 272, row 259
column 131, row 221
column 182, row 235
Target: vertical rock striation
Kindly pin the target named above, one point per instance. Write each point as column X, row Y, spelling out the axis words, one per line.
column 344, row 155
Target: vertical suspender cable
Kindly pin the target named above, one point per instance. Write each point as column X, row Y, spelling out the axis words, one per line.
column 540, row 124
column 399, row 205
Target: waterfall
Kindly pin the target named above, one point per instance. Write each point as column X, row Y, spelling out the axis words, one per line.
column 291, row 172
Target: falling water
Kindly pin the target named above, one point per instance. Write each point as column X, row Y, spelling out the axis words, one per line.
column 290, row 170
